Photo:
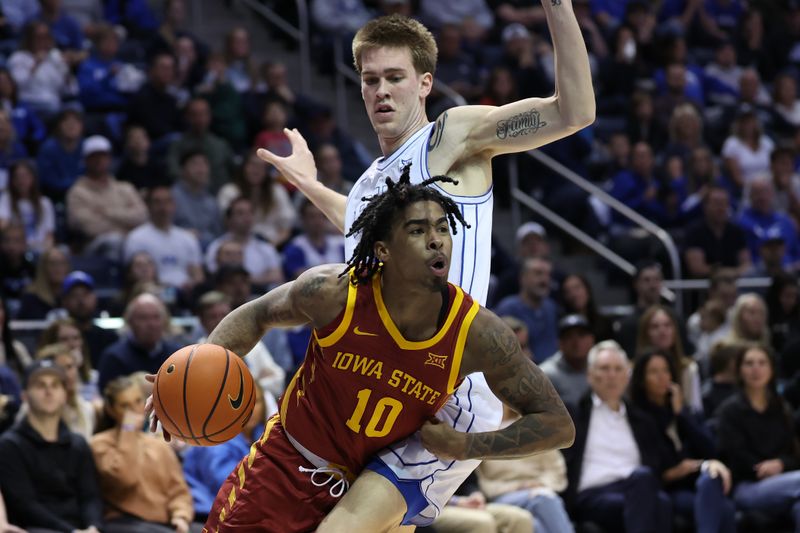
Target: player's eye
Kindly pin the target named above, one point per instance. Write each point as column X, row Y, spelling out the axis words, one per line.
column 370, row 81
column 416, row 231
column 396, row 79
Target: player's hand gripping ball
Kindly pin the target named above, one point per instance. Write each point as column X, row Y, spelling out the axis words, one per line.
column 204, row 394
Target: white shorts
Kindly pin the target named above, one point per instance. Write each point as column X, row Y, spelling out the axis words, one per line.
column 426, row 482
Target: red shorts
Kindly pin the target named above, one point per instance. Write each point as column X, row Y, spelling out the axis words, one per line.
column 268, row 493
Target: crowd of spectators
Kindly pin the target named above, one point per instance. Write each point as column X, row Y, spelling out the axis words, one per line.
column 129, row 187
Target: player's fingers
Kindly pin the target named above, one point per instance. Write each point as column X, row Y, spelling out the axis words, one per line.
column 148, row 405
column 297, row 140
column 266, row 156
column 150, row 377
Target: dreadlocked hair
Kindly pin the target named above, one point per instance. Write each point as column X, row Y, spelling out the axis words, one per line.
column 375, row 221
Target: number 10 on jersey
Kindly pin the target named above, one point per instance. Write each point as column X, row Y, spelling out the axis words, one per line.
column 394, row 406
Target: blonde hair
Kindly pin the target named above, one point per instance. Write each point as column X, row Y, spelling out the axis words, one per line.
column 41, row 285
column 737, row 333
column 397, row 31
column 680, row 113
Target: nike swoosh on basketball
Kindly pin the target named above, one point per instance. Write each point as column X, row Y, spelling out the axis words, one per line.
column 237, row 403
column 364, row 333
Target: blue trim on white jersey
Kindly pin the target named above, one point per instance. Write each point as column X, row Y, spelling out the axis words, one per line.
column 411, row 490
column 474, row 256
column 382, row 164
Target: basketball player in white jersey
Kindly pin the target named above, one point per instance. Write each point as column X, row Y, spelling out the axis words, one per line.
column 396, row 58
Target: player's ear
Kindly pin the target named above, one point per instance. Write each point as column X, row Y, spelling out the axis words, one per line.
column 426, row 84
column 381, row 251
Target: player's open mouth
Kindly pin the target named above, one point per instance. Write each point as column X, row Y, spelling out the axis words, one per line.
column 438, row 266
column 384, row 109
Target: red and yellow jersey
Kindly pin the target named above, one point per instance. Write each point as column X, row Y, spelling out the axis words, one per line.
column 363, row 386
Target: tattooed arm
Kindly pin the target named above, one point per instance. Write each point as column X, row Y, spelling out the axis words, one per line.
column 468, row 131
column 317, row 296
column 492, row 348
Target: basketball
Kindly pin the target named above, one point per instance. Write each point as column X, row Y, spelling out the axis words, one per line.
column 203, row 394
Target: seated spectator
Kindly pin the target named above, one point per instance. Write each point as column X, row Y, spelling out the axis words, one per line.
column 522, row 55
column 695, row 481
column 141, row 275
column 154, row 107
column 135, row 16
column 242, row 70
column 235, row 283
column 10, row 401
column 44, row 294
column 722, row 76
column 786, row 182
column 261, row 259
column 79, row 300
column 783, row 310
column 685, row 133
column 211, row 309
column 65, row 29
column 137, row 166
column 40, row 70
column 275, row 215
column 329, row 169
column 65, row 331
column 24, row 204
column 638, row 188
column 172, row 29
column 13, row 354
column 274, row 118
column 78, row 413
column 715, row 241
column 749, row 320
column 722, row 382
column 195, row 207
column 531, row 483
column 29, row 128
column 16, row 263
column 319, row 243
column 206, row 468
column 647, row 285
column 144, row 347
column 567, row 368
column 140, row 476
column 87, row 13
column 11, row 149
column 761, row 221
column 106, row 83
column 642, row 123
column 658, row 330
column 785, row 105
column 60, row 158
column 534, row 307
column 712, row 322
column 500, row 89
column 175, row 250
column 198, row 138
column 102, row 209
column 467, row 510
column 614, row 468
column 746, row 151
column 47, row 473
column 230, row 117
column 577, row 297
column 454, row 67
column 757, row 440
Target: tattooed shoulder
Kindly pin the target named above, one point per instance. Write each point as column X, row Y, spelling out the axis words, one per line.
column 438, row 132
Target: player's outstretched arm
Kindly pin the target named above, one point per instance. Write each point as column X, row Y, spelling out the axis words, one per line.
column 492, row 348
column 299, row 168
column 526, row 124
column 316, row 297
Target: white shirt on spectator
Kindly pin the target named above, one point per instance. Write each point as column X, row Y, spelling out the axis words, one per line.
column 752, row 163
column 36, row 232
column 259, row 256
column 611, row 452
column 173, row 251
column 40, row 85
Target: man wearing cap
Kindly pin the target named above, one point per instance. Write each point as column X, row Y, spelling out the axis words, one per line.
column 534, row 306
column 762, row 222
column 80, row 301
column 47, row 473
column 531, row 241
column 567, row 368
column 100, row 208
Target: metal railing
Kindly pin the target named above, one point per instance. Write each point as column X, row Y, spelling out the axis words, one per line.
column 601, row 249
column 301, row 34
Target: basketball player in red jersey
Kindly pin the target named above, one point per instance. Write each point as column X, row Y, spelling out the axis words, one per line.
column 391, row 342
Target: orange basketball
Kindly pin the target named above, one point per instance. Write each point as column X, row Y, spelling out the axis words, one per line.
column 204, row 394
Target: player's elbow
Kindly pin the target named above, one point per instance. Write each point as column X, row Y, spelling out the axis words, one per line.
column 566, row 429
column 578, row 114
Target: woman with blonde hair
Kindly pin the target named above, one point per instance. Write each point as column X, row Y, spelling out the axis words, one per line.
column 658, row 330
column 746, row 151
column 44, row 293
column 749, row 320
column 79, row 415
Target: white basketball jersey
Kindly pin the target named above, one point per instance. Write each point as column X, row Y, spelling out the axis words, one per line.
column 470, row 264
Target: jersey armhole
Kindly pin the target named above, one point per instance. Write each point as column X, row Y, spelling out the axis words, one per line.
column 461, row 341
column 329, row 339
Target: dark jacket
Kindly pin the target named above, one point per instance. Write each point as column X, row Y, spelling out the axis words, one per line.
column 645, row 432
column 747, row 437
column 51, row 485
column 125, row 357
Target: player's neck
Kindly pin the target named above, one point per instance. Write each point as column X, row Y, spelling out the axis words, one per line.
column 390, row 144
column 415, row 311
